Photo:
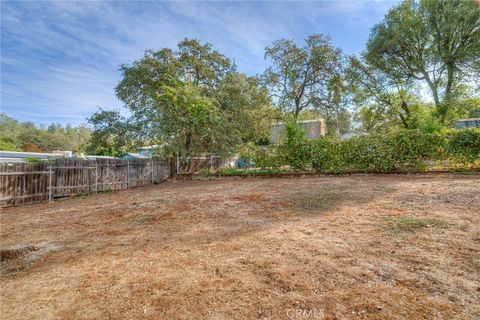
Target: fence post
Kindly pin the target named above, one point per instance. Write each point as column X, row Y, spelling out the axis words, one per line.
column 96, row 177
column 50, row 183
column 128, row 174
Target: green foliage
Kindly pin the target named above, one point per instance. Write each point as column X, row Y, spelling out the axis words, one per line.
column 17, row 136
column 260, row 156
column 230, row 171
column 8, row 146
column 402, row 149
column 433, row 42
column 247, row 152
column 112, row 134
column 34, row 160
column 240, row 172
column 293, row 150
column 246, row 107
column 296, row 72
column 412, row 224
column 191, row 100
column 476, row 112
column 386, row 152
column 384, row 100
column 191, row 123
column 464, row 145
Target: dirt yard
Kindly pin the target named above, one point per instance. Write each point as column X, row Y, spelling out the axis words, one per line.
column 351, row 247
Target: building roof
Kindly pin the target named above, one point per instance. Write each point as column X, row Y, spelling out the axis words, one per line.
column 136, row 155
column 155, row 146
column 99, row 157
column 22, row 155
column 469, row 119
column 11, row 160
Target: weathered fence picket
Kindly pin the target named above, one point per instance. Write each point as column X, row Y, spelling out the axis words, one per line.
column 23, row 183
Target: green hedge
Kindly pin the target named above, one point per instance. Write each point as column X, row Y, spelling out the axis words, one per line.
column 377, row 153
column 397, row 150
column 463, row 144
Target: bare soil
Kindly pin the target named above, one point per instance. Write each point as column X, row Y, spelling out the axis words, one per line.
column 351, row 247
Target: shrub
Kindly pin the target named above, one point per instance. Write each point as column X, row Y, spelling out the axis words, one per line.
column 410, row 148
column 262, row 157
column 401, row 149
column 247, row 152
column 323, row 155
column 294, row 150
column 464, row 145
column 236, row 172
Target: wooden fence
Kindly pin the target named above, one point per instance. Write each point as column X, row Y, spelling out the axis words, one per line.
column 24, row 183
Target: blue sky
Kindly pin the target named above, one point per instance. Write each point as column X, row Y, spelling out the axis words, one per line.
column 59, row 60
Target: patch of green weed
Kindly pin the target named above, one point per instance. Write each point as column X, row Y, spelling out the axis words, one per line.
column 412, row 224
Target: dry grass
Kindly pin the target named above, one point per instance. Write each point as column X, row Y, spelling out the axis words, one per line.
column 362, row 247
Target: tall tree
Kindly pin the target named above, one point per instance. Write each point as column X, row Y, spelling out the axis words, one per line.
column 433, row 41
column 190, row 122
column 298, row 75
column 247, row 108
column 338, row 93
column 192, row 100
column 113, row 134
column 201, row 65
column 388, row 96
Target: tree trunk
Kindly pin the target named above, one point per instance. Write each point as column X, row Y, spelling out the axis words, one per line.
column 188, row 147
column 297, row 109
column 448, row 93
column 337, row 122
column 404, row 119
column 188, row 143
column 436, row 99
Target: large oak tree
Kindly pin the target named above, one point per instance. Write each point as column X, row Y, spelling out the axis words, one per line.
column 191, row 100
column 432, row 42
column 298, row 76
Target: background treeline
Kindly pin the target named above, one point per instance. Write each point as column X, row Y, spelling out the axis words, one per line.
column 419, row 71
column 25, row 136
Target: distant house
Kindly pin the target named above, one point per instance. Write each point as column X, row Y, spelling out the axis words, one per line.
column 88, row 157
column 134, row 155
column 65, row 153
column 148, row 150
column 467, row 123
column 314, row 129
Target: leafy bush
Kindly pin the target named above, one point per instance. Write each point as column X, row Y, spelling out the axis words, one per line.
column 387, row 152
column 236, row 172
column 411, row 148
column 34, row 160
column 8, row 146
column 262, row 157
column 323, row 154
column 401, row 149
column 293, row 149
column 464, row 145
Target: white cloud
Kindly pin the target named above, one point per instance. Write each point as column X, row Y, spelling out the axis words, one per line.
column 59, row 59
